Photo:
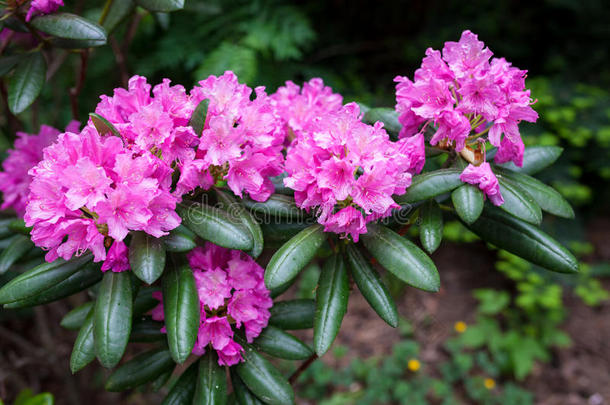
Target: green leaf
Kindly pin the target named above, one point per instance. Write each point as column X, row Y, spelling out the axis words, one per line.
column 141, row 369
column 112, row 319
column 278, row 205
column 82, row 279
column 41, row 399
column 163, row 6
column 40, row 278
column 518, row 202
column 535, row 158
column 431, row 184
column 231, row 205
column 276, row 233
column 18, row 226
column 278, row 343
column 293, row 314
column 401, row 258
column 264, row 380
column 182, row 312
column 74, row 319
column 240, row 59
column 331, row 303
column 19, row 246
column 160, row 381
column 144, row 301
column 83, row 352
column 546, row 197
column 242, row 393
column 215, row 225
column 146, row 257
column 468, row 202
column 211, row 381
column 7, row 63
column 388, row 116
column 71, row 30
column 103, row 126
column 293, row 256
column 25, row 84
column 199, row 117
column 523, row 239
column 371, row 286
column 179, row 242
column 431, row 228
column 146, row 330
column 117, row 13
column 4, row 227
column 183, row 391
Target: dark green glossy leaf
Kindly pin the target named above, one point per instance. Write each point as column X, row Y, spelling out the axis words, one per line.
column 182, row 312
column 371, row 286
column 141, row 369
column 72, row 30
column 468, row 202
column 112, row 319
column 211, row 381
column 276, row 233
column 524, row 240
column 215, row 225
column 293, row 314
column 278, row 205
column 278, row 343
column 431, row 184
column 18, row 226
column 231, row 205
column 144, row 301
column 160, row 381
column 243, row 395
column 25, row 84
column 103, row 126
column 40, row 278
column 161, row 5
column 7, row 63
column 388, row 116
column 180, row 239
column 402, row 258
column 74, row 319
column 83, row 351
column 431, row 227
column 263, row 379
column 14, row 251
column 535, row 158
column 146, row 257
column 331, row 303
column 117, row 13
column 183, row 391
column 199, row 116
column 518, row 202
column 278, row 184
column 293, row 256
column 146, row 330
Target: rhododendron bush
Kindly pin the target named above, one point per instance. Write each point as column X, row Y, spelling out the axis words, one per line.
column 189, row 211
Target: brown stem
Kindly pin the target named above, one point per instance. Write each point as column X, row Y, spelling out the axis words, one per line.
column 302, row 368
column 75, row 91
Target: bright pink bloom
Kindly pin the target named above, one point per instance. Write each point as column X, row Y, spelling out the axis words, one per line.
column 117, row 259
column 43, row 7
column 485, row 179
column 232, row 295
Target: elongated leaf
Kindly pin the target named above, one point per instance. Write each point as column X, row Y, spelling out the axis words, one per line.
column 117, row 13
column 18, row 226
column 112, row 319
column 371, row 286
column 264, row 380
column 211, row 381
column 183, row 391
column 146, row 257
column 523, row 239
column 518, row 202
column 215, row 225
column 160, row 381
column 82, row 279
column 278, row 343
column 75, row 319
column 276, row 233
column 25, row 84
column 331, row 303
column 278, row 205
column 293, row 256
column 15, row 251
column 247, row 220
column 83, row 351
column 431, row 228
column 243, row 395
column 146, row 330
column 431, row 184
column 182, row 312
column 199, row 116
column 536, row 158
column 546, row 197
column 40, row 278
column 144, row 301
column 293, row 314
column 103, row 126
column 278, row 184
column 468, row 202
column 140, row 370
column 401, row 257
column 163, row 6
column 180, row 239
column 388, row 116
column 76, row 31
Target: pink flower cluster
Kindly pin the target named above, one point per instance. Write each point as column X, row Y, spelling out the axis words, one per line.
column 89, row 191
column 232, row 295
column 43, row 7
column 349, row 170
column 15, row 180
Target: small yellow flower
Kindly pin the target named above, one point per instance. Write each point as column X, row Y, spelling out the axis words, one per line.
column 460, row 327
column 413, row 365
column 489, row 383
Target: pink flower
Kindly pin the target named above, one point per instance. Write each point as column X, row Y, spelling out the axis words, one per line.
column 43, row 7
column 232, row 296
column 347, row 221
column 466, row 56
column 486, row 180
column 116, row 259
